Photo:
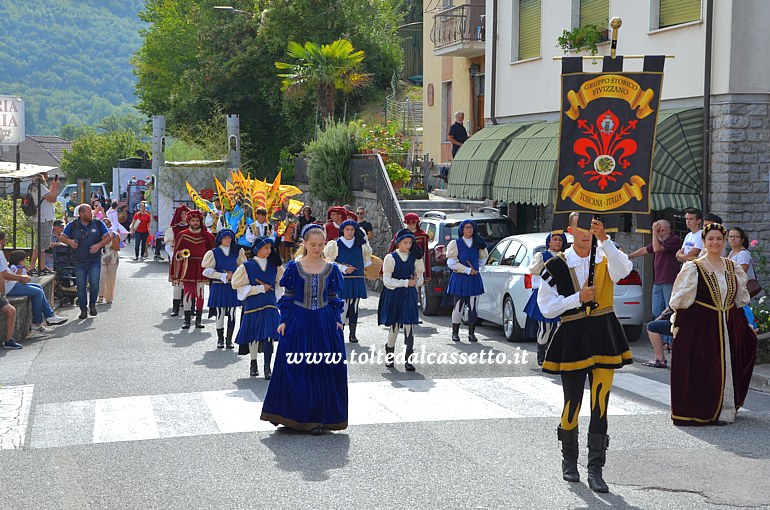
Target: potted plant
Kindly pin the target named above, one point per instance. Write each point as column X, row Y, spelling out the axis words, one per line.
column 586, row 37
column 397, row 174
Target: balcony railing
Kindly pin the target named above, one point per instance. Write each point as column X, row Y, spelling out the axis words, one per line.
column 459, row 24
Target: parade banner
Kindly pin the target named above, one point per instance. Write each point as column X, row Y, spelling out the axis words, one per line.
column 607, row 136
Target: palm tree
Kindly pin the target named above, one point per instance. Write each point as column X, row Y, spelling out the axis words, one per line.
column 325, row 69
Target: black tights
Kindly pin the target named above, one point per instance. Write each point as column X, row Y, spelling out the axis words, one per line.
column 573, row 383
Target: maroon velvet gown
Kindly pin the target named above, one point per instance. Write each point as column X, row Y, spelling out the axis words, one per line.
column 698, row 369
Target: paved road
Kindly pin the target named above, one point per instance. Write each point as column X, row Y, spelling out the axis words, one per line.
column 126, row 410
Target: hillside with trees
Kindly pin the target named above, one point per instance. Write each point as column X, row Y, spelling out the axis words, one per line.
column 69, row 59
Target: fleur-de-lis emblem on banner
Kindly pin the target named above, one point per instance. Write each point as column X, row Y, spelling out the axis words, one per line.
column 606, row 146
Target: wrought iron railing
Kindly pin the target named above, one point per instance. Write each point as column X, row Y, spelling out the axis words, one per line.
column 459, row 24
column 386, row 196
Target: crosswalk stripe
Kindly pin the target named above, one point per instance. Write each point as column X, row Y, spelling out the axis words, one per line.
column 15, row 405
column 236, row 411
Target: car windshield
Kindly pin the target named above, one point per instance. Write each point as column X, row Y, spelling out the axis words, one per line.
column 491, row 230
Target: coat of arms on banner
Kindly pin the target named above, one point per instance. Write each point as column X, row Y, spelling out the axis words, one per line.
column 607, row 138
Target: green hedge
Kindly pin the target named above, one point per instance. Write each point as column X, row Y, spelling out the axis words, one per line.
column 23, row 223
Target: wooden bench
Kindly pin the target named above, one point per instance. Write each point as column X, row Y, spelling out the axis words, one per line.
column 23, row 307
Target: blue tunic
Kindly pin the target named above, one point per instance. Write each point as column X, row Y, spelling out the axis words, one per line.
column 399, row 305
column 461, row 284
column 531, row 308
column 260, row 317
column 309, row 387
column 222, row 295
column 354, row 285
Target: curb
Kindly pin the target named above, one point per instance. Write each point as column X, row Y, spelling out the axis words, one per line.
column 760, row 382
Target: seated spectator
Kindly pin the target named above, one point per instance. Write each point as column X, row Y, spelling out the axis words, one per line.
column 20, row 285
column 10, row 318
column 655, row 330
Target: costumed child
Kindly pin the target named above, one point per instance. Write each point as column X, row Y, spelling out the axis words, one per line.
column 464, row 257
column 304, row 395
column 178, row 224
column 402, row 273
column 352, row 253
column 219, row 265
column 256, row 282
column 543, row 327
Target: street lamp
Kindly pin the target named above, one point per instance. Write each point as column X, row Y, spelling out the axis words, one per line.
column 228, row 8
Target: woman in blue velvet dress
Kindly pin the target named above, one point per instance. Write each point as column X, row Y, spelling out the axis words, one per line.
column 465, row 256
column 309, row 388
column 352, row 253
column 255, row 283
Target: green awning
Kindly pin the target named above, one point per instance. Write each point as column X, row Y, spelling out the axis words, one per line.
column 677, row 165
column 526, row 170
column 474, row 164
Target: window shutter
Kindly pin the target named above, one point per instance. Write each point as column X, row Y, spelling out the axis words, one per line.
column 676, row 12
column 594, row 12
column 529, row 29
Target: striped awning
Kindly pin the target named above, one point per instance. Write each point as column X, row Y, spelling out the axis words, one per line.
column 526, row 170
column 474, row 164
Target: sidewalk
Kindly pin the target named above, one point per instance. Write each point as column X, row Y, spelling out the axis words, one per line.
column 760, row 380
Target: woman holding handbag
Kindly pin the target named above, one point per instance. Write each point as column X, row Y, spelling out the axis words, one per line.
column 110, row 260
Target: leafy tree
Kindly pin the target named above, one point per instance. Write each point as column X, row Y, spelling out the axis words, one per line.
column 73, row 132
column 326, row 69
column 94, row 155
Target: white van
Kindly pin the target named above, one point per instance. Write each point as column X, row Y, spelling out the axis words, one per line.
column 100, row 188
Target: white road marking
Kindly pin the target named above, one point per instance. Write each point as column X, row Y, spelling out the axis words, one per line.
column 15, row 405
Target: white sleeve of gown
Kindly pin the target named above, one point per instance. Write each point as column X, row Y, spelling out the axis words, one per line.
column 685, row 287
column 742, row 297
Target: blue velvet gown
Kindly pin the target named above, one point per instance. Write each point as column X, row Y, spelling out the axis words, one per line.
column 304, row 394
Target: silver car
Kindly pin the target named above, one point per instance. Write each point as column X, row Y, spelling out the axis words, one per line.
column 508, row 286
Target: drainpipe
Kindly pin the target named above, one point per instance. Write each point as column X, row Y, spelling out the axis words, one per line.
column 707, row 107
column 493, row 85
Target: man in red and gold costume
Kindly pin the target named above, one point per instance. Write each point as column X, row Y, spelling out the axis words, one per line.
column 335, row 216
column 178, row 224
column 189, row 248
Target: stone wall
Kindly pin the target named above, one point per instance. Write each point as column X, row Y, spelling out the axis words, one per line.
column 740, row 165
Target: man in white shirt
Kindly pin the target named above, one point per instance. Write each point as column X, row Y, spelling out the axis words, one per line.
column 589, row 342
column 45, row 213
column 693, row 243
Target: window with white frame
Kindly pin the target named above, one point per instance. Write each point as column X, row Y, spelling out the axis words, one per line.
column 676, row 12
column 527, row 29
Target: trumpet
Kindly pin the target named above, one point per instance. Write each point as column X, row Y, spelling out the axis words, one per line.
column 183, row 254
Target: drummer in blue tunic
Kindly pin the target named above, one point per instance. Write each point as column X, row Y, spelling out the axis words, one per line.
column 464, row 257
column 402, row 273
column 219, row 265
column 352, row 253
column 256, row 283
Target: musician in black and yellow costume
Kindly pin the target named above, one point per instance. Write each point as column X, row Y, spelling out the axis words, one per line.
column 588, row 343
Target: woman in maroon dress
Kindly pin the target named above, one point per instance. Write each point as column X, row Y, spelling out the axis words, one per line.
column 714, row 350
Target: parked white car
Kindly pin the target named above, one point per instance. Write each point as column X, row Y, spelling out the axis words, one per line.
column 508, row 286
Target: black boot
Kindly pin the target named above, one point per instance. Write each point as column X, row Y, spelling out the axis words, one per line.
column 176, row 303
column 220, row 338
column 253, row 371
column 198, row 318
column 230, row 330
column 597, row 449
column 408, row 359
column 541, row 348
column 456, row 332
column 471, row 334
column 187, row 319
column 352, row 338
column 389, row 355
column 268, row 355
column 569, row 454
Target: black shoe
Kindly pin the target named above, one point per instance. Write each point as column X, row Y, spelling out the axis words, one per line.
column 253, row 371
column 92, row 310
column 229, row 344
column 352, row 338
column 472, row 334
column 389, row 355
column 220, row 338
column 199, row 318
column 597, row 450
column 83, row 314
column 268, row 373
column 187, row 320
column 176, row 303
column 407, row 364
column 569, row 454
column 455, row 332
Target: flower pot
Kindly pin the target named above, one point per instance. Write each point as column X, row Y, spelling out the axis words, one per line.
column 397, row 185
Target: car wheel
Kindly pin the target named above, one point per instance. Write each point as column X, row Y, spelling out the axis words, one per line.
column 429, row 304
column 633, row 332
column 511, row 327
